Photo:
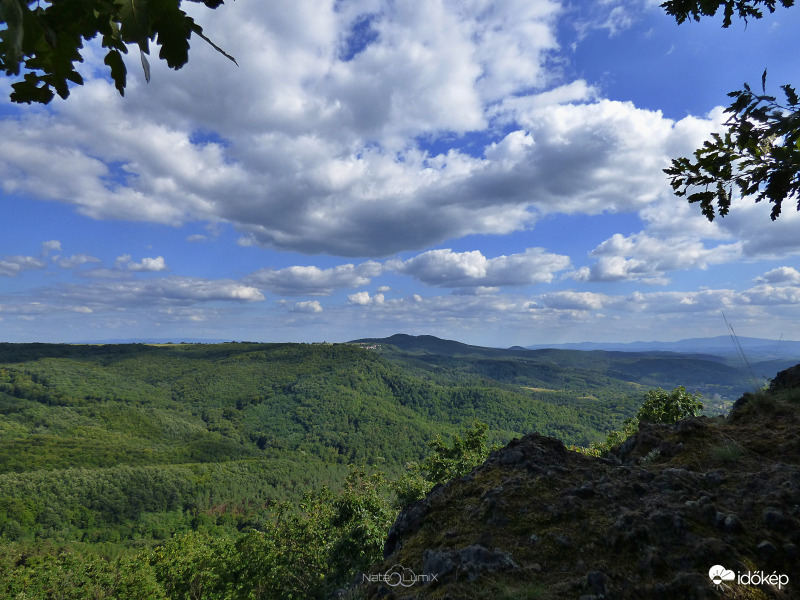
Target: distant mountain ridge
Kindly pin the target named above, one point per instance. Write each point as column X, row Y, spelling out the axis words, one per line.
column 434, row 345
column 755, row 349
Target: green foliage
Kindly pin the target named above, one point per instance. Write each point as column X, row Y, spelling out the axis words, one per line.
column 362, row 515
column 669, row 407
column 728, row 453
column 309, row 549
column 193, row 566
column 659, row 407
column 443, row 464
column 458, row 459
column 224, row 468
column 683, row 10
column 759, row 153
column 614, row 438
column 43, row 41
column 63, row 574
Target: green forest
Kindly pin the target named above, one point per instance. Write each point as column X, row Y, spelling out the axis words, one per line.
column 206, row 471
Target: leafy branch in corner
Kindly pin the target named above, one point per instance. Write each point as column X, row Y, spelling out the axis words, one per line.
column 683, row 10
column 42, row 42
column 758, row 155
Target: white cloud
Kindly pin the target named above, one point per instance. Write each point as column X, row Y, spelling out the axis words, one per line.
column 318, row 145
column 51, row 246
column 152, row 292
column 781, row 275
column 643, row 257
column 506, row 319
column 363, row 298
column 446, row 268
column 309, row 306
column 761, row 237
column 573, row 300
column 74, row 260
column 11, row 266
column 303, row 151
column 146, row 264
column 767, row 295
column 311, row 280
column 612, row 16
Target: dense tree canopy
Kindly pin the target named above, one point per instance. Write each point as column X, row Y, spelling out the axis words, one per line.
column 759, row 154
column 42, row 41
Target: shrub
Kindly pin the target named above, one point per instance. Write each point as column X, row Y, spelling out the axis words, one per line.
column 669, row 407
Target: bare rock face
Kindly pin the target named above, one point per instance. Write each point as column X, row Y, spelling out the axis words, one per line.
column 788, row 379
column 648, row 521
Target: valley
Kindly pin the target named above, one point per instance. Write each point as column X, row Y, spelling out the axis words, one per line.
column 113, row 450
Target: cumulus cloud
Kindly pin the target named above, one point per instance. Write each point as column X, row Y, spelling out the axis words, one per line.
column 50, row 246
column 309, row 306
column 75, row 260
column 14, row 265
column 326, row 152
column 146, row 264
column 11, row 266
column 311, row 280
column 761, row 237
column 368, row 128
column 767, row 295
column 445, row 268
column 644, row 257
column 363, row 298
column 573, row 300
column 781, row 275
column 509, row 318
column 153, row 292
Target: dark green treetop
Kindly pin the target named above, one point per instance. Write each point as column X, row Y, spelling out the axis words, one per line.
column 42, row 41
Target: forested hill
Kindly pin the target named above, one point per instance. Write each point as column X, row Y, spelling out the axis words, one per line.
column 556, row 368
column 85, row 429
column 186, row 452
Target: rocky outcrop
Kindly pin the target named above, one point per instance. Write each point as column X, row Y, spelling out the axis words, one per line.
column 648, row 521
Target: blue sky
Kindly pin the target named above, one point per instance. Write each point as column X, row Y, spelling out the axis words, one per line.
column 489, row 172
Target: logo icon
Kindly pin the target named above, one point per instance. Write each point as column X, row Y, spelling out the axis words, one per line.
column 400, row 575
column 718, row 574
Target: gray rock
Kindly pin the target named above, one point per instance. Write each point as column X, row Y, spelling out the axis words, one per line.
column 437, row 562
column 774, row 519
column 472, row 562
column 732, row 524
column 766, row 549
column 790, row 550
column 596, row 582
column 475, row 559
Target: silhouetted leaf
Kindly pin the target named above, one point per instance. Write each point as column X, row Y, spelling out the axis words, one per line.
column 118, row 71
column 145, row 66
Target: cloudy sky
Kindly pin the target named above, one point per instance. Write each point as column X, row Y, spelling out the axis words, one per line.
column 483, row 171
